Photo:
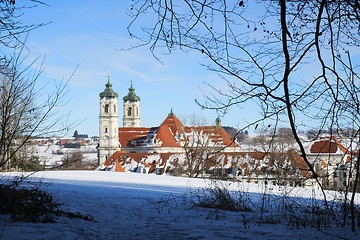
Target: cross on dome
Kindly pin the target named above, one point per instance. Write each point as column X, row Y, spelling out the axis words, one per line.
column 132, row 97
column 108, row 92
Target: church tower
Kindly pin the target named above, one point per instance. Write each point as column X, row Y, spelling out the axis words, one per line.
column 109, row 123
column 131, row 109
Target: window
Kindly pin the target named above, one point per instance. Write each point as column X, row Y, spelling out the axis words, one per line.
column 114, row 108
column 106, row 108
column 317, row 167
column 129, row 111
column 105, row 130
column 137, row 112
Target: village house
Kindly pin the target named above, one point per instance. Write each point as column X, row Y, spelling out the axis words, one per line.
column 333, row 161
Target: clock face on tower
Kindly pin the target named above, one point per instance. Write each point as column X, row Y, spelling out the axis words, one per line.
column 106, row 139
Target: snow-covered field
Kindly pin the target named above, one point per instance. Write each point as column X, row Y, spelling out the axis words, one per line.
column 48, row 156
column 139, row 206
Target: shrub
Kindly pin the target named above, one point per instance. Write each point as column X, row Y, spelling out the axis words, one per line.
column 29, row 205
column 27, row 165
column 32, row 205
column 274, row 209
column 219, row 197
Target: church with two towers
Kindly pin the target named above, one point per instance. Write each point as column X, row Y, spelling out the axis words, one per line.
column 170, row 137
column 170, row 147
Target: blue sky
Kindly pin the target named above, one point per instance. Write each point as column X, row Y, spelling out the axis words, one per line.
column 88, row 34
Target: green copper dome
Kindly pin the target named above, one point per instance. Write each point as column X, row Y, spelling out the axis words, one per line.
column 171, row 113
column 108, row 92
column 218, row 122
column 132, row 97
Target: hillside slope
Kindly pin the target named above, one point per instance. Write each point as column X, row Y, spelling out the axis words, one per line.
column 137, row 206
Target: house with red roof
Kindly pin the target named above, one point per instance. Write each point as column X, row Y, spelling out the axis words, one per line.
column 332, row 160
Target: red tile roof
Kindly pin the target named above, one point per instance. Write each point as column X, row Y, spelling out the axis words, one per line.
column 324, row 146
column 119, row 168
column 125, row 158
column 165, row 137
column 330, row 145
column 217, row 135
column 173, row 123
column 135, row 136
column 299, row 162
column 161, row 160
column 166, row 134
column 343, row 149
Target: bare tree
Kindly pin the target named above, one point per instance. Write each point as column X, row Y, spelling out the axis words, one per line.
column 23, row 114
column 277, row 146
column 198, row 146
column 202, row 146
column 73, row 160
column 27, row 109
column 197, row 151
column 26, row 158
column 12, row 28
column 267, row 57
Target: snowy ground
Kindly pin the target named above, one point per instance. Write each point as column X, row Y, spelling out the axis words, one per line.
column 137, row 206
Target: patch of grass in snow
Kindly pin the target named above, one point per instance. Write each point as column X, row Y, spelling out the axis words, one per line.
column 169, row 202
column 219, row 197
column 314, row 213
column 275, row 209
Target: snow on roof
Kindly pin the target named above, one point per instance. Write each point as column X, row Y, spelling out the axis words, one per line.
column 173, row 123
column 226, row 160
column 167, row 139
column 167, row 135
column 135, row 136
column 328, row 145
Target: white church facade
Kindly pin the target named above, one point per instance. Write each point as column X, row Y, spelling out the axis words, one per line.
column 108, row 123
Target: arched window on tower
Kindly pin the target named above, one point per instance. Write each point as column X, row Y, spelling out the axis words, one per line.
column 129, row 111
column 137, row 112
column 114, row 108
column 106, row 108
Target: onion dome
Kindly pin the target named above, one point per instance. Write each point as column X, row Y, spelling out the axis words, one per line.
column 132, row 97
column 108, row 92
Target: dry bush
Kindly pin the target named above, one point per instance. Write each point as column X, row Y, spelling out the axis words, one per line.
column 30, row 204
column 219, row 197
